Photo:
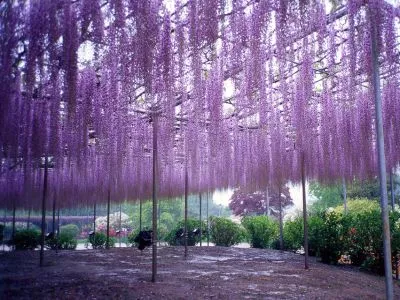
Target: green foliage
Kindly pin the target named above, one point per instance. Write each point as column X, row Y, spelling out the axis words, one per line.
column 27, row 239
column 261, row 231
column 293, row 234
column 357, row 206
column 315, row 232
column 99, row 240
column 224, row 232
column 331, row 238
column 70, row 229
column 192, row 224
column 327, row 196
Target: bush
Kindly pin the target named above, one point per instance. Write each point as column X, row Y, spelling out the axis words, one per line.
column 331, row 244
column 175, row 236
column 293, row 234
column 224, row 232
column 315, row 225
column 26, row 239
column 66, row 241
column 261, row 231
column 99, row 240
column 70, row 229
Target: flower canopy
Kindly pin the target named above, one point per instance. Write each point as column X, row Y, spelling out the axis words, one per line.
column 240, row 90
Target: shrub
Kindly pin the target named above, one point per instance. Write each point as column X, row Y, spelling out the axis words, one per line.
column 70, row 229
column 315, row 226
column 99, row 240
column 66, row 241
column 175, row 236
column 261, row 231
column 293, row 234
column 224, row 232
column 26, row 239
column 331, row 244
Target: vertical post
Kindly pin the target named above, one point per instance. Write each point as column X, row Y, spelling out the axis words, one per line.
column 208, row 223
column 303, row 185
column 94, row 217
column 391, row 189
column 13, row 220
column 268, row 213
column 4, row 225
column 186, row 211
column 120, row 224
column 43, row 233
column 344, row 195
column 108, row 218
column 58, row 225
column 140, row 215
column 53, row 227
column 28, row 225
column 280, row 219
column 201, row 227
column 381, row 157
column 155, row 178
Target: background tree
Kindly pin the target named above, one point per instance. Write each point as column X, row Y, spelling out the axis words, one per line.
column 245, row 202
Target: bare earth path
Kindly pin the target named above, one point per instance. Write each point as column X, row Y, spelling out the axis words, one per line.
column 208, row 273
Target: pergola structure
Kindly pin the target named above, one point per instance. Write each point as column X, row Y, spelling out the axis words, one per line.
column 130, row 99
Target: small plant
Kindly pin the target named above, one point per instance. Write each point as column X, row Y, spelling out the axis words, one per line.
column 70, row 229
column 225, row 232
column 176, row 236
column 293, row 234
column 98, row 240
column 66, row 241
column 261, row 231
column 27, row 239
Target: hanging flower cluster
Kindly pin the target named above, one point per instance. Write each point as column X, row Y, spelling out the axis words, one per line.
column 237, row 92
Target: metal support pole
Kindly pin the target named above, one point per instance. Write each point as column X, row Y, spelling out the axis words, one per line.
column 381, row 158
column 208, row 223
column 155, row 181
column 186, row 211
column 28, row 225
column 53, row 227
column 344, row 195
column 94, row 217
column 140, row 214
column 201, row 226
column 268, row 213
column 280, row 219
column 392, row 189
column 108, row 219
column 303, row 185
column 43, row 233
column 120, row 224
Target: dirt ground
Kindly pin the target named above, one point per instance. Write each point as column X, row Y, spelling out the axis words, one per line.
column 207, row 273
